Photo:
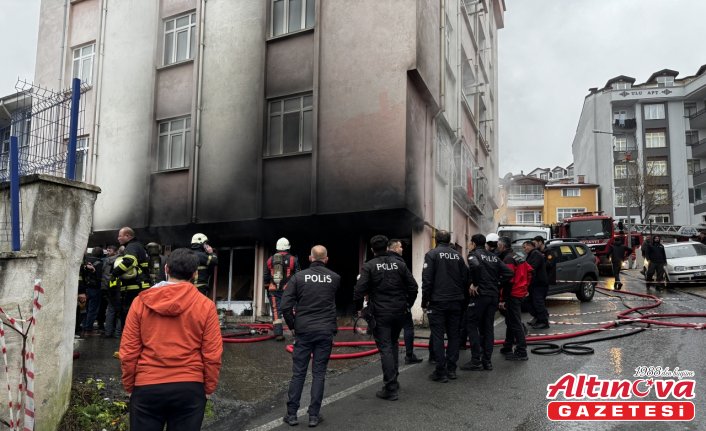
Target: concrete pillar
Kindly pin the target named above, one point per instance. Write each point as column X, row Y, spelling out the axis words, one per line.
column 56, row 220
column 421, row 244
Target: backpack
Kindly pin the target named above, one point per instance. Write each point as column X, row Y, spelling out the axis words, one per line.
column 282, row 268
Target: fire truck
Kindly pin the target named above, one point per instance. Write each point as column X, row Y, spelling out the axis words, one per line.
column 598, row 231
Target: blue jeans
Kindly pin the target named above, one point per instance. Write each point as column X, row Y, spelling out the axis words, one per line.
column 314, row 346
column 94, row 303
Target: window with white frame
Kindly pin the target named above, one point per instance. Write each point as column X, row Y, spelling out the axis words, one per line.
column 179, row 35
column 571, row 193
column 528, row 217
column 620, row 117
column 443, row 155
column 693, row 166
column 660, row 196
column 291, row 125
column 81, row 158
column 655, row 139
column 660, row 218
column 657, row 168
column 174, row 144
column 620, row 171
column 82, row 66
column 544, row 176
column 289, row 16
column 665, row 81
column 654, row 111
column 620, row 143
column 562, row 213
column 463, row 167
column 621, row 85
column 620, row 197
column 691, row 137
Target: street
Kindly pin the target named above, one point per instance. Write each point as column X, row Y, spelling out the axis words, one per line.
column 251, row 394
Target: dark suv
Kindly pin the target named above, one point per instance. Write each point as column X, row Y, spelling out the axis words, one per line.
column 573, row 270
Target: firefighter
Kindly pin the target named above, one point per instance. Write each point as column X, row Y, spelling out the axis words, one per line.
column 279, row 269
column 618, row 253
column 156, row 265
column 207, row 262
column 132, row 269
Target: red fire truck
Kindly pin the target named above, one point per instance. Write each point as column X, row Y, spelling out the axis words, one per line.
column 598, row 231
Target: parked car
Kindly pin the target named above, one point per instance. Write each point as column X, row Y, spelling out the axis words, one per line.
column 575, row 269
column 686, row 262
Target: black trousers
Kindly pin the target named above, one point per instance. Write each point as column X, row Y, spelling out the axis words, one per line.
column 538, row 308
column 445, row 318
column 479, row 317
column 127, row 297
column 408, row 329
column 387, row 333
column 178, row 405
column 514, row 334
column 659, row 268
column 315, row 347
column 617, row 266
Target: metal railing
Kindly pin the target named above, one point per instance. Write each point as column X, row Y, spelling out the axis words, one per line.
column 526, row 197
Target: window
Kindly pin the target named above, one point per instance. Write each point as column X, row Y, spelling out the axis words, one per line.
column 291, row 125
column 289, row 16
column 174, row 141
column 565, row 253
column 693, row 166
column 581, row 250
column 619, row 117
column 655, row 139
column 660, row 196
column 621, row 171
column 81, row 158
column 620, row 197
column 562, row 213
column 665, row 81
column 82, row 66
column 660, row 218
column 620, row 143
column 654, row 111
column 558, row 174
column 689, row 109
column 544, row 176
column 527, row 191
column 657, row 168
column 621, row 85
column 463, row 173
column 528, row 217
column 570, row 193
column 691, row 137
column 179, row 38
column 443, row 155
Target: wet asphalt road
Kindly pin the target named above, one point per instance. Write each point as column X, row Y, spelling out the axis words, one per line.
column 252, row 390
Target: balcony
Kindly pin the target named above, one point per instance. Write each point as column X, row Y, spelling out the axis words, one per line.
column 620, row 155
column 624, row 125
column 525, row 200
column 700, row 177
column 698, row 120
column 699, row 149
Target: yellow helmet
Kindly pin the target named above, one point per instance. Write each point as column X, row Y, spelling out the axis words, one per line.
column 130, row 274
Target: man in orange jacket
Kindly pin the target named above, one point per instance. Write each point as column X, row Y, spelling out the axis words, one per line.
column 170, row 379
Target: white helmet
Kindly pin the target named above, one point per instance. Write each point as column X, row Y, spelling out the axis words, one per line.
column 199, row 238
column 492, row 237
column 282, row 244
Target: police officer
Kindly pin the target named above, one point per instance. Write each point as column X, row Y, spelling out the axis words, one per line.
column 444, row 290
column 280, row 267
column 539, row 286
column 391, row 291
column 132, row 268
column 394, row 249
column 487, row 273
column 312, row 293
column 207, row 262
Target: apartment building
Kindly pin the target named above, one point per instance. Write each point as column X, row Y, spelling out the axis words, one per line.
column 321, row 121
column 645, row 145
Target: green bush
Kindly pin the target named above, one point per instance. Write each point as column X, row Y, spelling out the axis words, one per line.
column 95, row 405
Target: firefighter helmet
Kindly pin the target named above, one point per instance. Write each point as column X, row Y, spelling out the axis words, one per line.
column 153, row 249
column 283, row 244
column 199, row 238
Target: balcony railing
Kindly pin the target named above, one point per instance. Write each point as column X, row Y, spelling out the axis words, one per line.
column 526, row 197
column 626, row 124
column 696, row 114
column 694, row 141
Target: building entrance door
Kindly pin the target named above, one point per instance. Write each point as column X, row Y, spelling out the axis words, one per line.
column 235, row 282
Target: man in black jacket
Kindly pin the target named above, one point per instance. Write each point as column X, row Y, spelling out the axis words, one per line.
column 444, row 290
column 487, row 273
column 618, row 253
column 539, row 287
column 391, row 291
column 313, row 293
column 394, row 248
column 658, row 261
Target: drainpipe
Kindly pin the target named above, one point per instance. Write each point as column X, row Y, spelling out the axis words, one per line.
column 442, row 72
column 197, row 123
column 99, row 89
column 64, row 38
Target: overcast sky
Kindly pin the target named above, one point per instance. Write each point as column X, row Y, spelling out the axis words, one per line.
column 552, row 51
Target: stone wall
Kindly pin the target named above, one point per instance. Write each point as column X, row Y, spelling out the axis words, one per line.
column 56, row 218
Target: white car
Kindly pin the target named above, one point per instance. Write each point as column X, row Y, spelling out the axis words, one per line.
column 686, row 262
